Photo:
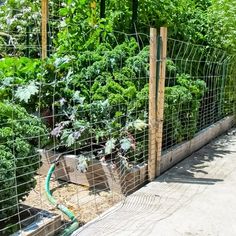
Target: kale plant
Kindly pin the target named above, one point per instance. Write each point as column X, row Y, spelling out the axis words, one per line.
column 100, row 94
column 20, row 135
column 181, row 112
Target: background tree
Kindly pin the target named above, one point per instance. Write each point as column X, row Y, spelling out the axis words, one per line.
column 222, row 24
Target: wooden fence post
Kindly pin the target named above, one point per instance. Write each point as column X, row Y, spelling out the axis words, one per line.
column 161, row 97
column 152, row 105
column 44, row 27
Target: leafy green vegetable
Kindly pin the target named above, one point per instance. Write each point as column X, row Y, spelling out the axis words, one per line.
column 181, row 111
column 19, row 133
column 139, row 124
column 25, row 93
column 125, row 144
column 110, row 145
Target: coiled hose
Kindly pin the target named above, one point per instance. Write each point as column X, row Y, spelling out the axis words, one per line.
column 75, row 224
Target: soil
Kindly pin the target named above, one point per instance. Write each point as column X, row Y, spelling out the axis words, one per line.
column 85, row 203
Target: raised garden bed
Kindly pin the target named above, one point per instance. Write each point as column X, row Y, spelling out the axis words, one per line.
column 33, row 222
column 125, row 182
column 67, row 170
column 102, row 175
column 177, row 153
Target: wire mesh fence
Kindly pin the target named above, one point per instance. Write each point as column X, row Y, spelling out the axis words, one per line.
column 88, row 114
column 198, row 90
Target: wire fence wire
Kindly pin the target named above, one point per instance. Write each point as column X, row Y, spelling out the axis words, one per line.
column 88, row 110
column 199, row 90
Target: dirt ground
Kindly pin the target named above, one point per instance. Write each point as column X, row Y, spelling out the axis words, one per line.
column 84, row 203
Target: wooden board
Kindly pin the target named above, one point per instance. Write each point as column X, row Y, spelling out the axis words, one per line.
column 160, row 99
column 67, row 170
column 152, row 105
column 44, row 8
column 47, row 157
column 47, row 224
column 94, row 177
column 126, row 182
column 177, row 153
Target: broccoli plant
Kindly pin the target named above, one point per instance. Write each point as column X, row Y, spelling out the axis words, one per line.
column 20, row 135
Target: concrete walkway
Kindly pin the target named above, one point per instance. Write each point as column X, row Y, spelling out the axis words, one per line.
column 196, row 197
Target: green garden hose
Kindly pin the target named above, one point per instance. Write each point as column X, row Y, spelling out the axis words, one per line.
column 75, row 224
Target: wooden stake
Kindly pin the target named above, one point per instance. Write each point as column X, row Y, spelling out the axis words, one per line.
column 160, row 98
column 152, row 105
column 44, row 27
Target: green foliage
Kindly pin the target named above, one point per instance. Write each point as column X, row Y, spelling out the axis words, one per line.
column 19, row 78
column 222, row 22
column 19, row 136
column 25, row 93
column 229, row 94
column 110, row 145
column 107, row 99
column 100, row 93
column 125, row 144
column 17, row 18
column 182, row 105
column 97, row 81
column 81, row 18
column 210, row 22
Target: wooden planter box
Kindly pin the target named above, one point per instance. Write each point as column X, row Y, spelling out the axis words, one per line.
column 125, row 183
column 40, row 223
column 67, row 170
column 47, row 157
column 101, row 175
